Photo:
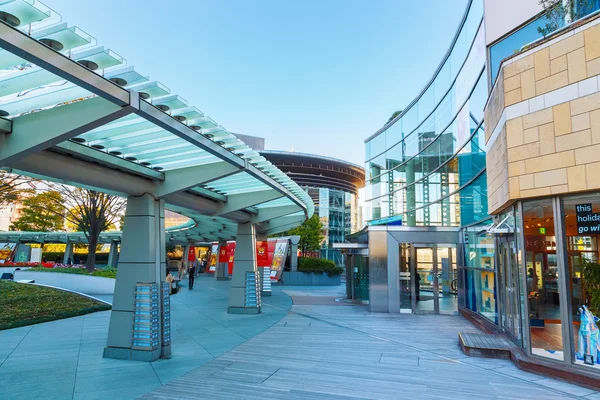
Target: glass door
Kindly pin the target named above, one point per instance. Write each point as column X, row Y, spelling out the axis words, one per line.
column 447, row 280
column 509, row 291
column 426, row 282
column 406, row 279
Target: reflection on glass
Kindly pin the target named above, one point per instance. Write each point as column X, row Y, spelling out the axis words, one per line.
column 405, row 278
column 425, row 279
column 582, row 232
column 542, row 279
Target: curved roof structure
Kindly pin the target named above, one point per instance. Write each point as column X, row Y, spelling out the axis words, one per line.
column 318, row 171
column 74, row 112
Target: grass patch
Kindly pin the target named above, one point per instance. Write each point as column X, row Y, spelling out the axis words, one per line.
column 105, row 272
column 22, row 304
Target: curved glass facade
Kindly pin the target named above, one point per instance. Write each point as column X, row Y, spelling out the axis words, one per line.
column 427, row 167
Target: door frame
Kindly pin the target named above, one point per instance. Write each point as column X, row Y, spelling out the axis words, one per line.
column 505, row 282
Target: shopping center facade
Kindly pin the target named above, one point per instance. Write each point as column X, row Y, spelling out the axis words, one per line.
column 496, row 220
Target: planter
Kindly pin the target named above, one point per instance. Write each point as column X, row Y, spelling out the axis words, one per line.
column 309, row 279
column 77, row 283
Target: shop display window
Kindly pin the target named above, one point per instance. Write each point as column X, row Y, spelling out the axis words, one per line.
column 582, row 229
column 542, row 281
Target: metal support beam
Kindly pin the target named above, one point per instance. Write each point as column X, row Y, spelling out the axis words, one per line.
column 177, row 180
column 26, row 47
column 267, row 214
column 240, row 201
column 38, row 131
column 5, row 125
column 282, row 224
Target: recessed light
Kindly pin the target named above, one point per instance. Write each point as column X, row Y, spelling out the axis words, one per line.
column 118, row 81
column 53, row 44
column 88, row 64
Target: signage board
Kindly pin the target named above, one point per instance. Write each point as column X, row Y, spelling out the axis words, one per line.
column 588, row 222
column 262, row 253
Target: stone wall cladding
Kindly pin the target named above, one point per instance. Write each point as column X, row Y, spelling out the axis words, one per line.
column 556, row 149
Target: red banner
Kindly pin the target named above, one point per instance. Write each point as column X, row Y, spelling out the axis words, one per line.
column 191, row 254
column 262, row 254
column 230, row 256
column 223, row 254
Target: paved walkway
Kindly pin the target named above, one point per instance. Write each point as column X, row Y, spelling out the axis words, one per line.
column 332, row 352
column 63, row 359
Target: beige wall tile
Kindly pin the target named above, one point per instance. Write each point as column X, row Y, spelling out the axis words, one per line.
column 552, row 82
column 538, row 118
column 528, row 83
column 576, row 178
column 512, row 97
column 550, row 178
column 526, row 182
column 541, row 60
column 512, row 83
column 585, row 104
column 546, row 133
column 514, row 132
column 592, row 42
column 514, row 188
column 536, row 192
column 592, row 175
column 562, row 119
column 558, row 64
column 549, row 161
column 516, row 168
column 531, row 135
column 560, row 189
column 593, row 67
column 521, row 65
column 566, row 46
column 574, row 140
column 588, row 155
column 580, row 122
column 595, row 126
column 524, row 152
column 577, row 66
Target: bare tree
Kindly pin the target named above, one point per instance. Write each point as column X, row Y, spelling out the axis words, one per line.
column 11, row 187
column 91, row 212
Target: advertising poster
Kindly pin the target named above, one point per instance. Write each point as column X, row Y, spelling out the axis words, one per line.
column 36, row 255
column 262, row 253
column 279, row 259
column 223, row 254
column 230, row 256
column 212, row 264
column 6, row 250
column 191, row 254
column 271, row 249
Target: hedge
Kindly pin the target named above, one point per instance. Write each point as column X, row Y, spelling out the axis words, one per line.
column 101, row 258
column 318, row 265
column 107, row 272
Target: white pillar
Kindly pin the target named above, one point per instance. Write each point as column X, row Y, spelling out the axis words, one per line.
column 113, row 254
column 142, row 260
column 221, row 272
column 68, row 254
column 244, row 271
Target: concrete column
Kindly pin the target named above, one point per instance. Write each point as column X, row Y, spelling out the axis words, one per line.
column 113, row 254
column 68, row 253
column 294, row 240
column 221, row 273
column 245, row 261
column 143, row 255
column 184, row 258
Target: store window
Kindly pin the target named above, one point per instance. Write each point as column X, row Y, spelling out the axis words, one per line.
column 542, row 285
column 582, row 226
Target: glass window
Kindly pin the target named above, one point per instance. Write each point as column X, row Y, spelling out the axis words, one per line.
column 582, row 225
column 542, row 279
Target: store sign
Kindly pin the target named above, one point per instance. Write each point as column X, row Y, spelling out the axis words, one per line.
column 587, row 220
column 542, row 231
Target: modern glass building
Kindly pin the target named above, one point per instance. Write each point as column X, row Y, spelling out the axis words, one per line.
column 333, row 186
column 426, row 178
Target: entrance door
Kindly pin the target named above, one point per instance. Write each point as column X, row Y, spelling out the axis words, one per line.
column 434, row 276
column 509, row 279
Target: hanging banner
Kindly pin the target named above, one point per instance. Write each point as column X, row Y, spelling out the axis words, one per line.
column 262, row 254
column 230, row 256
column 271, row 249
column 191, row 254
column 223, row 254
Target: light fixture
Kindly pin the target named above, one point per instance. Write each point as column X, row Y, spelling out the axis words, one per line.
column 97, row 147
column 180, row 118
column 208, row 136
column 144, row 96
column 92, row 66
column 157, row 168
column 4, row 113
column 163, row 107
column 130, row 158
column 197, row 128
column 145, row 163
column 53, row 44
column 10, row 19
column 119, row 81
column 78, row 140
column 115, row 153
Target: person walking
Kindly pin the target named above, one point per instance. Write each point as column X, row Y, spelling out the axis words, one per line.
column 191, row 273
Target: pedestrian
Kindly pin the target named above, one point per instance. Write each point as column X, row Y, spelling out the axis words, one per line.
column 191, row 272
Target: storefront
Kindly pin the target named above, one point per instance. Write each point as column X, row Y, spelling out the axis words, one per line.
column 537, row 277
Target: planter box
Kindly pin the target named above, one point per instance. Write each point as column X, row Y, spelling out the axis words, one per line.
column 309, row 279
column 76, row 283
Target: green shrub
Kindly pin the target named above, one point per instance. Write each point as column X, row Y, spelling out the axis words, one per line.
column 105, row 272
column 101, row 258
column 318, row 265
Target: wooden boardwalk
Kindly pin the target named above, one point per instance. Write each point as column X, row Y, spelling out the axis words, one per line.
column 331, row 352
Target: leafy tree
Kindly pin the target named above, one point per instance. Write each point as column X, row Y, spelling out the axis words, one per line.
column 41, row 213
column 557, row 12
column 310, row 232
column 90, row 212
column 10, row 187
column 394, row 115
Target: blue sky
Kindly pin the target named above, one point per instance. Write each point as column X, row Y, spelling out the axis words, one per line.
column 312, row 76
